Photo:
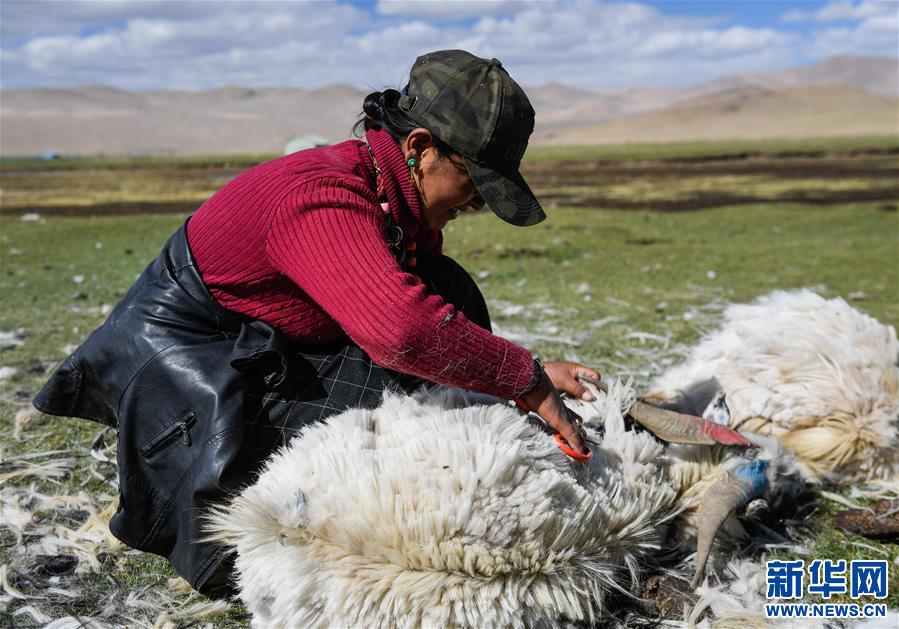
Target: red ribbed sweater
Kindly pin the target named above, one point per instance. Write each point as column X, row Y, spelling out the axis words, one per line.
column 298, row 242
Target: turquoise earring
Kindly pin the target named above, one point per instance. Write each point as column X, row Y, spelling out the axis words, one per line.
column 411, row 162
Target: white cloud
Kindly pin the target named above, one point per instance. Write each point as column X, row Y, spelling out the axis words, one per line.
column 845, row 11
column 796, row 15
column 852, row 11
column 710, row 43
column 200, row 45
column 193, row 49
column 33, row 18
column 875, row 31
column 455, row 10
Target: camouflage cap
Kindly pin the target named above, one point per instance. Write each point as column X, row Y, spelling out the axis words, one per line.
column 474, row 106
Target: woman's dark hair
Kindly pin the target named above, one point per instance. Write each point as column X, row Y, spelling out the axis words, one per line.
column 381, row 111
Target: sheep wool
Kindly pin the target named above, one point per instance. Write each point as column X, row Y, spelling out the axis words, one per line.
column 442, row 509
column 449, row 508
column 816, row 373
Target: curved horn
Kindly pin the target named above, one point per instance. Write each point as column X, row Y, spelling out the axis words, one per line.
column 675, row 427
column 738, row 487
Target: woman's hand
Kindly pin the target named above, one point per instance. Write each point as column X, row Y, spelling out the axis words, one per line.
column 547, row 403
column 564, row 376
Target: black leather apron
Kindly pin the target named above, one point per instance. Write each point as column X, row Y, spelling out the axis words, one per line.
column 201, row 396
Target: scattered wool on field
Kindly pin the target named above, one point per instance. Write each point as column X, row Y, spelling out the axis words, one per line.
column 11, row 339
column 601, row 323
column 23, row 418
column 34, row 613
column 8, row 588
column 520, row 335
column 25, row 466
column 739, row 602
column 73, row 622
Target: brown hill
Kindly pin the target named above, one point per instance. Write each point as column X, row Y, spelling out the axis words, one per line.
column 91, row 120
column 879, row 75
column 825, row 98
column 749, row 113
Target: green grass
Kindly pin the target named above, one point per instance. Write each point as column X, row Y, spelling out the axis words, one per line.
column 580, row 266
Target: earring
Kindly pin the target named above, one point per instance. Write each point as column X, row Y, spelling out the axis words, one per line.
column 413, row 173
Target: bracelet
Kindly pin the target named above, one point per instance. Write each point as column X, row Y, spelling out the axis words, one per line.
column 536, row 377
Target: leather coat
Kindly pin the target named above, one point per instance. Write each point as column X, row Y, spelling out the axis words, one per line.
column 154, row 371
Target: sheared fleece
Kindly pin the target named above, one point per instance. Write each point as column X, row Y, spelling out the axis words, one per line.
column 298, row 242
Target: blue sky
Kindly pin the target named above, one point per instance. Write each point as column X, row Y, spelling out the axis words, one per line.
column 593, row 44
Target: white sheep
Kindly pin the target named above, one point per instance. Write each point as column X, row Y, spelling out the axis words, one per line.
column 817, row 374
column 451, row 509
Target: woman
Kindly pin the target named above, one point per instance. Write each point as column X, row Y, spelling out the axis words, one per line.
column 307, row 285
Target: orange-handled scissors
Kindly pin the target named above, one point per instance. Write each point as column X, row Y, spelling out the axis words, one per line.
column 563, row 444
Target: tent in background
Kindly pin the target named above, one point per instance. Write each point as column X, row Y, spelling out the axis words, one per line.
column 304, row 141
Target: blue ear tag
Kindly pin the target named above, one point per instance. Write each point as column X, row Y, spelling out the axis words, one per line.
column 752, row 476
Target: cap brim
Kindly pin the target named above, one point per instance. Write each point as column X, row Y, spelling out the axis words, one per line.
column 506, row 194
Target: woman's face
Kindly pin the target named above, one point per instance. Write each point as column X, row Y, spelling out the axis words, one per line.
column 443, row 183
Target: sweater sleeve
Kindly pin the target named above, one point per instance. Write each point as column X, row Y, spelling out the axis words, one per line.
column 328, row 238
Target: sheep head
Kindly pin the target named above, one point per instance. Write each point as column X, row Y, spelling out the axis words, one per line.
column 761, row 471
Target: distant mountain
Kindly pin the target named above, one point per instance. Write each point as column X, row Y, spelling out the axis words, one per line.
column 91, row 120
column 748, row 113
column 837, row 96
column 879, row 75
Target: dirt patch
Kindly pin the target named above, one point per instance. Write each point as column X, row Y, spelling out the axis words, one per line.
column 664, row 185
column 648, row 241
column 708, row 200
column 697, row 184
column 850, row 165
column 523, row 252
column 881, row 522
column 665, row 597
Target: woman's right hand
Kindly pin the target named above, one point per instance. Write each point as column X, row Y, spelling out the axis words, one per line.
column 547, row 403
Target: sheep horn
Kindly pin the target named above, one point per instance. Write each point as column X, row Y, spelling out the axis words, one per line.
column 675, row 427
column 737, row 488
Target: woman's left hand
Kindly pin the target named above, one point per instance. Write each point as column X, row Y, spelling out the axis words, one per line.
column 564, row 376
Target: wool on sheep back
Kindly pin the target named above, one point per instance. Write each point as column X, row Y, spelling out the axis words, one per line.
column 816, row 373
column 442, row 509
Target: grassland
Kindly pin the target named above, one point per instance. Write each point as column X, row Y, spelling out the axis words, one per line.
column 614, row 279
column 675, row 176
